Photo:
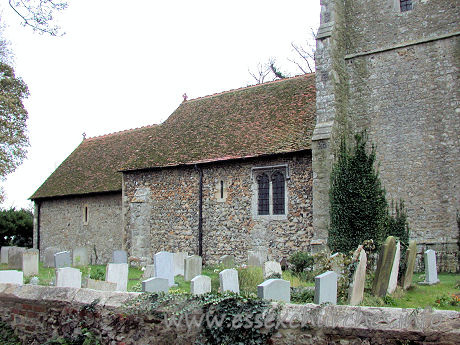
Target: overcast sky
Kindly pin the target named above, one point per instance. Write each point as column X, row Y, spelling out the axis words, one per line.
column 126, row 64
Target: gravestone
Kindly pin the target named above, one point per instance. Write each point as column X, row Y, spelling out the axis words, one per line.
column 80, row 256
column 117, row 273
column 11, row 277
column 228, row 280
column 149, row 272
column 384, row 267
column 164, row 266
column 155, row 285
column 411, row 254
column 68, row 277
column 393, row 282
column 4, row 254
column 49, row 256
column 356, row 290
column 275, row 290
column 30, row 262
column 227, row 261
column 119, row 257
column 100, row 285
column 15, row 257
column 62, row 259
column 284, row 264
column 193, row 265
column 200, row 285
column 179, row 264
column 431, row 273
column 257, row 257
column 326, row 288
column 272, row 267
column 336, row 261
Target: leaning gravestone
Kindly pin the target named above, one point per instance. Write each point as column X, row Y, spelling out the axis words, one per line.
column 119, row 257
column 15, row 257
column 431, row 273
column 117, row 273
column 100, row 285
column 356, row 290
column 179, row 264
column 272, row 267
column 227, row 261
column 80, row 256
column 4, row 254
column 200, row 285
column 49, row 256
column 384, row 267
column 155, row 285
column 149, row 272
column 326, row 288
column 30, row 262
column 228, row 280
column 62, row 259
column 68, row 277
column 275, row 290
column 193, row 265
column 393, row 282
column 411, row 254
column 164, row 266
column 11, row 277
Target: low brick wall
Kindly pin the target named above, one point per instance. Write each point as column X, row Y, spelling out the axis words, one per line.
column 39, row 313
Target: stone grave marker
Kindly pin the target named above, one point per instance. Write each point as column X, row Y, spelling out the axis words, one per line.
column 11, row 277
column 62, row 259
column 155, row 285
column 257, row 257
column 179, row 263
column 49, row 256
column 227, row 261
column 193, row 266
column 326, row 288
column 100, row 285
column 384, row 267
column 119, row 257
column 30, row 262
column 80, row 256
column 149, row 272
column 431, row 272
column 393, row 282
column 275, row 290
column 15, row 257
column 272, row 267
column 356, row 290
column 411, row 254
column 117, row 273
column 4, row 254
column 68, row 277
column 200, row 285
column 228, row 280
column 336, row 261
column 164, row 266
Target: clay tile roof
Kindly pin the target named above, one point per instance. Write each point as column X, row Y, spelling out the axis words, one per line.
column 270, row 118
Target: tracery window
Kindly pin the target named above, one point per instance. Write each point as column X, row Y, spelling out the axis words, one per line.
column 270, row 191
column 278, row 193
column 263, row 196
column 405, row 5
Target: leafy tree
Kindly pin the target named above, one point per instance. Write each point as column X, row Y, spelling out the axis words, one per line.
column 16, row 227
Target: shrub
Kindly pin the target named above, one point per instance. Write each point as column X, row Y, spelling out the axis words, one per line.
column 301, row 261
column 302, row 295
column 97, row 273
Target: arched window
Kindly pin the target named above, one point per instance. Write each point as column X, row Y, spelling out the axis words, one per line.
column 405, row 5
column 278, row 192
column 263, row 207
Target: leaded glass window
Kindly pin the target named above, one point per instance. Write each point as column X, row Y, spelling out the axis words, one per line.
column 263, row 194
column 406, row 5
column 278, row 192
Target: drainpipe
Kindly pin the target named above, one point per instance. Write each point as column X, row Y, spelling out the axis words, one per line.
column 200, row 211
column 38, row 225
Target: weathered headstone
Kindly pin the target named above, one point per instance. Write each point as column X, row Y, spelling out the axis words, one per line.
column 49, row 256
column 336, row 261
column 356, row 290
column 228, row 280
column 68, row 277
column 164, row 266
column 100, row 285
column 384, row 267
column 119, row 257
column 431, row 272
column 272, row 267
column 411, row 254
column 11, row 277
column 257, row 257
column 30, row 262
column 227, row 261
column 62, row 259
column 179, row 263
column 117, row 273
column 4, row 254
column 200, row 285
column 15, row 257
column 193, row 265
column 80, row 256
column 155, row 285
column 326, row 288
column 275, row 290
column 393, row 282
column 149, row 272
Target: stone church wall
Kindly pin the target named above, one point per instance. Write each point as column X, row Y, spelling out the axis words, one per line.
column 161, row 210
column 63, row 225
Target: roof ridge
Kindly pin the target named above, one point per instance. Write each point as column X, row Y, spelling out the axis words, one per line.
column 248, row 87
column 120, row 132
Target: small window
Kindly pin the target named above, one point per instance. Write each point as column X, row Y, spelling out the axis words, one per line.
column 405, row 5
column 263, row 207
column 85, row 215
column 221, row 189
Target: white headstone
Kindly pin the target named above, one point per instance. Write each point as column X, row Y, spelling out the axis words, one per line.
column 228, row 280
column 49, row 256
column 179, row 263
column 117, row 273
column 257, row 257
column 326, row 288
column 15, row 257
column 193, row 265
column 30, row 262
column 80, row 256
column 11, row 277
column 356, row 290
column 164, row 266
column 149, row 272
column 275, row 290
column 119, row 257
column 393, row 282
column 155, row 285
column 200, row 285
column 68, row 277
column 4, row 254
column 431, row 272
column 62, row 259
column 272, row 267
